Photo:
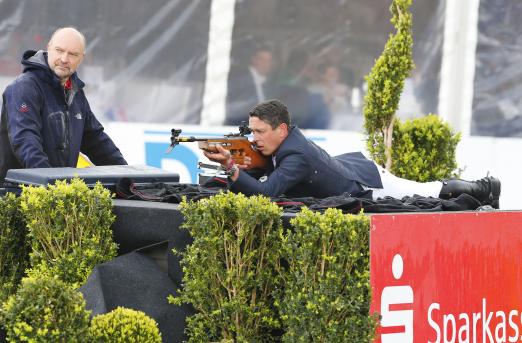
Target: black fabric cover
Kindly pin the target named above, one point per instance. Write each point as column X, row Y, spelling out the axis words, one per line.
column 143, row 223
column 416, row 203
column 158, row 191
column 175, row 192
column 135, row 281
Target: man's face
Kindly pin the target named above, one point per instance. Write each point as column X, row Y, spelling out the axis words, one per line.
column 331, row 75
column 65, row 53
column 267, row 139
column 262, row 62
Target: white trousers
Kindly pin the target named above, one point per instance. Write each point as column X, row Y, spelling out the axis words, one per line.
column 396, row 187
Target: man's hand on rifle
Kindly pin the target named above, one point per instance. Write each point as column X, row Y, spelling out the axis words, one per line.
column 223, row 157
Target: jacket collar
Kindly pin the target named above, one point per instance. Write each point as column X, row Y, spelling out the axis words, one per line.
column 36, row 61
column 293, row 134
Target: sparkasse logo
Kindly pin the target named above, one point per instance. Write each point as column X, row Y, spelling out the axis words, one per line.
column 480, row 326
column 397, row 309
column 464, row 270
column 483, row 325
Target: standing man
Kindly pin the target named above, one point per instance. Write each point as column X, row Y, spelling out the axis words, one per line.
column 46, row 120
column 248, row 86
column 301, row 168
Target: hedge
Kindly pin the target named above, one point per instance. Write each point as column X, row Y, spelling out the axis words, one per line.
column 14, row 246
column 123, row 325
column 231, row 269
column 45, row 309
column 326, row 294
column 251, row 281
column 69, row 228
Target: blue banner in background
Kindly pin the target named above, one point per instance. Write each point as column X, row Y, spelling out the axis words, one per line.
column 155, row 156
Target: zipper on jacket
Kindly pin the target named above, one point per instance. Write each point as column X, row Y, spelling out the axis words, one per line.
column 65, row 143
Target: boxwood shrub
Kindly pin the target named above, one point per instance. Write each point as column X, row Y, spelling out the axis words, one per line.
column 14, row 245
column 251, row 281
column 70, row 229
column 424, row 149
column 44, row 310
column 123, row 325
column 231, row 270
column 326, row 293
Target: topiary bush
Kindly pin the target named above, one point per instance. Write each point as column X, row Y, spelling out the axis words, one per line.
column 424, row 149
column 70, row 229
column 14, row 245
column 45, row 310
column 123, row 325
column 385, row 84
column 326, row 295
column 231, row 270
column 421, row 149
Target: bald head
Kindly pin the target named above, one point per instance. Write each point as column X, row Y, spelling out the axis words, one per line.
column 69, row 32
column 65, row 52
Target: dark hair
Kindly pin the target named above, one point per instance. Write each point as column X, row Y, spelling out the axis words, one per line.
column 273, row 112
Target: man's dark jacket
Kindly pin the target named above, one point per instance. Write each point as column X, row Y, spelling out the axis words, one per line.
column 304, row 169
column 242, row 94
column 41, row 127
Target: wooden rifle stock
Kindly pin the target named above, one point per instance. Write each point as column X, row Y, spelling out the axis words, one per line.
column 238, row 145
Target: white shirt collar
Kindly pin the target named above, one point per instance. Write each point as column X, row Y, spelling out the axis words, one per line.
column 258, row 78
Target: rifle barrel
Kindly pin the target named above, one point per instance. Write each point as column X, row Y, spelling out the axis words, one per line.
column 191, row 139
column 202, row 139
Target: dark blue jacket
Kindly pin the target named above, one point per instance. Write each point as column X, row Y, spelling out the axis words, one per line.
column 304, row 169
column 40, row 128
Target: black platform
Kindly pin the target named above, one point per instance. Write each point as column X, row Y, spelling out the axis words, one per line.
column 107, row 175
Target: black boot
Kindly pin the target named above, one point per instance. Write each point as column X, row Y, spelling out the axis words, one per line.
column 486, row 190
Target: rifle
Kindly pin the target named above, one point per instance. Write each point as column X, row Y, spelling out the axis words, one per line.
column 237, row 143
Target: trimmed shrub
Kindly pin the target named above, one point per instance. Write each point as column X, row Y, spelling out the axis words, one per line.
column 70, row 229
column 123, row 325
column 421, row 149
column 14, row 246
column 386, row 82
column 45, row 310
column 326, row 295
column 231, row 269
column 424, row 149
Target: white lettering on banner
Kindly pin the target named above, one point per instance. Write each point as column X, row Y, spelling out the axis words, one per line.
column 397, row 295
column 514, row 326
column 449, row 326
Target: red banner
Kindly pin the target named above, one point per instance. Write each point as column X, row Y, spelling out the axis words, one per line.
column 447, row 277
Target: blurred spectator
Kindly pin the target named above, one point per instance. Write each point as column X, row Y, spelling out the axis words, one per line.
column 248, row 85
column 297, row 70
column 334, row 92
column 309, row 111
